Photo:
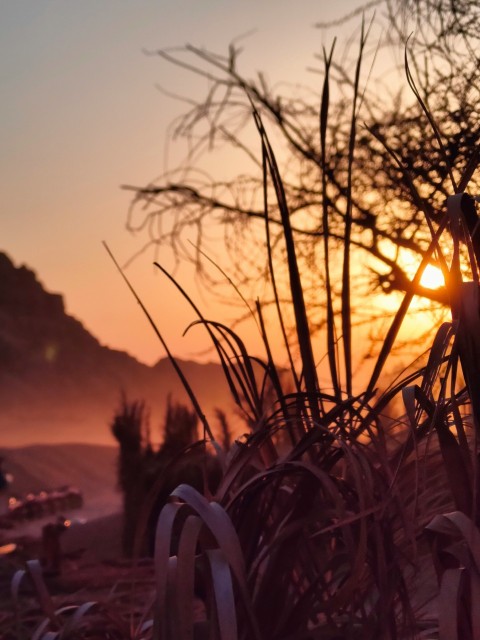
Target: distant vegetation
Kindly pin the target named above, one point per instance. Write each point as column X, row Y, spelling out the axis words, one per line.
column 147, row 475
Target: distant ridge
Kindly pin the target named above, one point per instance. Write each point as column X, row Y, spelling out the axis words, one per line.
column 59, row 384
column 92, row 468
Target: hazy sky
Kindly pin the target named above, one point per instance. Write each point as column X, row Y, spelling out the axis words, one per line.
column 81, row 115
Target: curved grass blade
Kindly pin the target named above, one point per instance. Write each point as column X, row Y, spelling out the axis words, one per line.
column 221, row 527
column 224, row 595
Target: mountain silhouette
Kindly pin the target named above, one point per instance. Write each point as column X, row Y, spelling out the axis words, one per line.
column 59, row 384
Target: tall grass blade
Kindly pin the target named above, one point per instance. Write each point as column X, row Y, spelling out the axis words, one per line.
column 346, row 277
column 430, row 119
column 272, row 273
column 173, row 360
column 301, row 319
column 331, row 333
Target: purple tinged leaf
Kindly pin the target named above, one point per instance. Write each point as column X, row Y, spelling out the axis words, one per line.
column 224, row 596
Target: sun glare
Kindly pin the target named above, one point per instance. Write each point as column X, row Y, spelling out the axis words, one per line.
column 432, row 277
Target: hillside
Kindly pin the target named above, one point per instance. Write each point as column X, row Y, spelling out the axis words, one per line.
column 59, row 384
column 91, row 468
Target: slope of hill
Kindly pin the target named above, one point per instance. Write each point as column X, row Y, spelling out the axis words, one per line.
column 59, row 384
column 91, row 468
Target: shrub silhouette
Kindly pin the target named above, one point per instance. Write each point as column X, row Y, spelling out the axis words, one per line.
column 147, row 476
column 128, row 427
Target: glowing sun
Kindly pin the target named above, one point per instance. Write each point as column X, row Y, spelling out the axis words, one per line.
column 432, row 278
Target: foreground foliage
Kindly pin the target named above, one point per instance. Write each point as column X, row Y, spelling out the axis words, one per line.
column 331, row 512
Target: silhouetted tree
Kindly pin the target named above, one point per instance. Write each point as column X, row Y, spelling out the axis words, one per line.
column 373, row 195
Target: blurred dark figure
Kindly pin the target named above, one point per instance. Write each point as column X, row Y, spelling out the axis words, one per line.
column 3, row 476
column 51, row 547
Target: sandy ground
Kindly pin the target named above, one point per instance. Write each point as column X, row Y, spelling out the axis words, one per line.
column 46, row 467
column 98, row 539
column 95, row 529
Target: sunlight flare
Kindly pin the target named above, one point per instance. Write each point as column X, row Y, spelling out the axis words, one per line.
column 432, row 277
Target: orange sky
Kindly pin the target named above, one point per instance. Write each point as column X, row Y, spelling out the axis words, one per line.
column 80, row 115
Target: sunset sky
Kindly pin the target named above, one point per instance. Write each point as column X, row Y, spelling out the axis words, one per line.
column 81, row 115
